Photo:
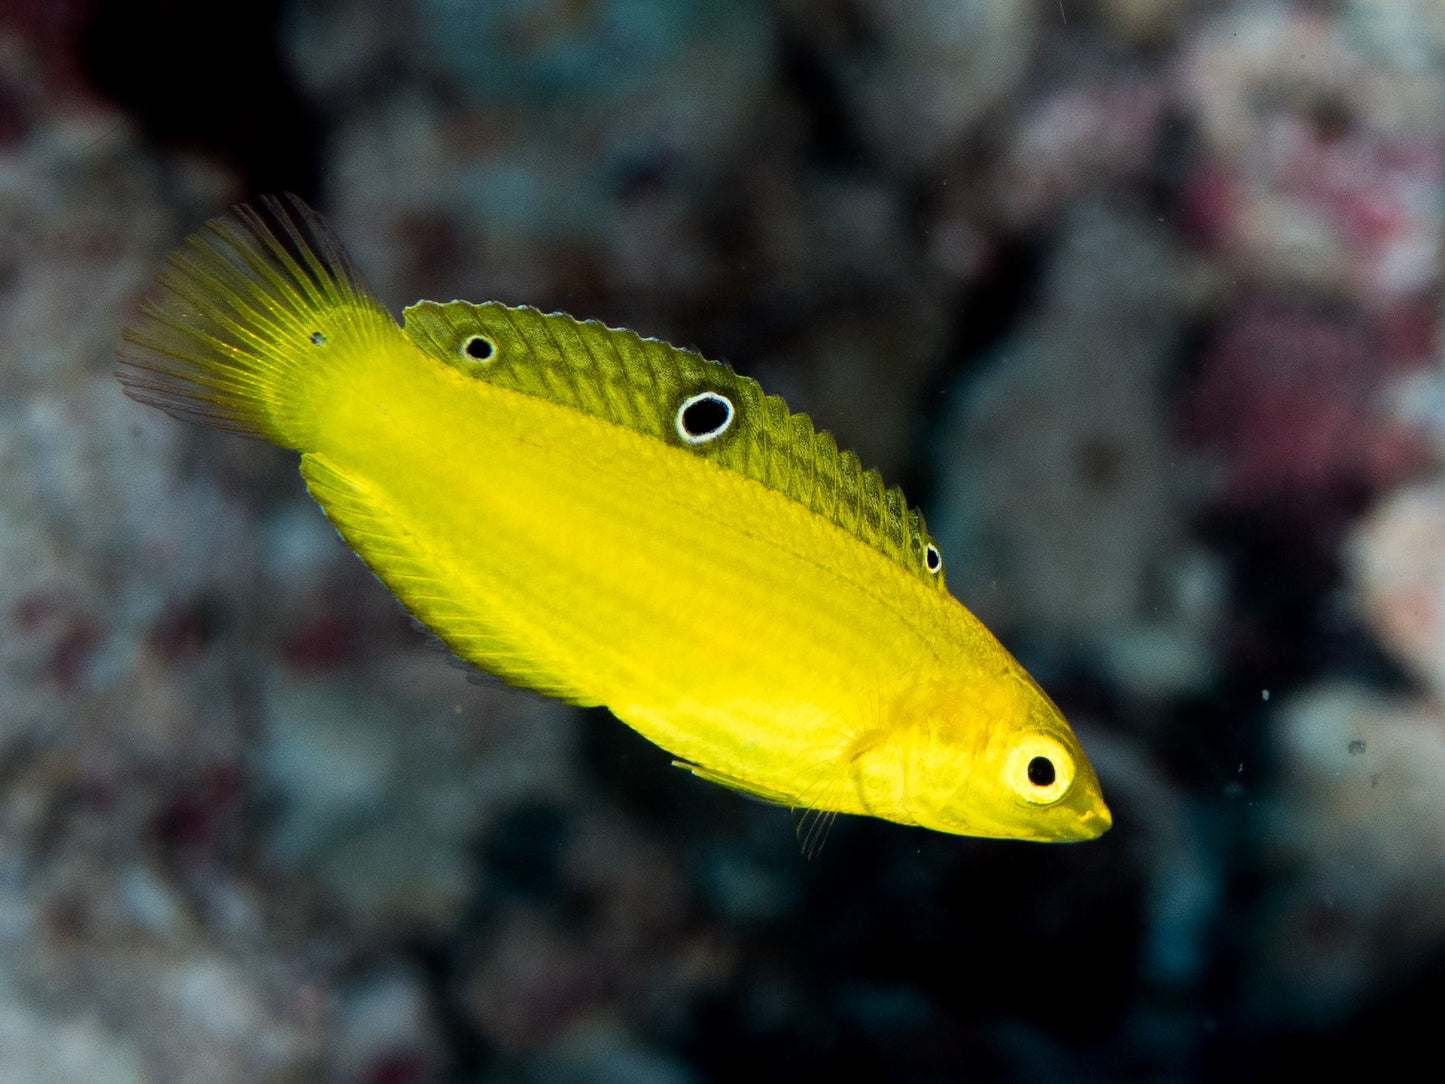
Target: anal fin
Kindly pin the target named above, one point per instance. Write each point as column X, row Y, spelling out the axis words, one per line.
column 432, row 591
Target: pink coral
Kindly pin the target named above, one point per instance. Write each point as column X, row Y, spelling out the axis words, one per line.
column 1287, row 405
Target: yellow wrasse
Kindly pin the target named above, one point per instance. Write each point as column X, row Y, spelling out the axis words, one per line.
column 611, row 520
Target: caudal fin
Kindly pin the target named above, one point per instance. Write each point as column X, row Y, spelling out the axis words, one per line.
column 256, row 322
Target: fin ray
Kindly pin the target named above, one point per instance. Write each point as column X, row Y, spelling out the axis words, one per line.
column 254, row 324
column 425, row 584
column 732, row 782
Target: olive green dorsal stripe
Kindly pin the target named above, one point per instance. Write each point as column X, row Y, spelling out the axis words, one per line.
column 640, row 383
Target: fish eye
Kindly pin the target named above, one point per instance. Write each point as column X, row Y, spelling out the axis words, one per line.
column 1041, row 772
column 478, row 347
column 1039, row 769
column 318, row 339
column 932, row 559
column 704, row 417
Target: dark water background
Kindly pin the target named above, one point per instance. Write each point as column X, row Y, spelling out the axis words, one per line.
column 1140, row 301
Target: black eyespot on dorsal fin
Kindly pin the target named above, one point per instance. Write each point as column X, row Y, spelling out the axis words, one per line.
column 704, row 417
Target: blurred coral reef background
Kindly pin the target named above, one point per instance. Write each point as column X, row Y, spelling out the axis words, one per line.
column 1139, row 299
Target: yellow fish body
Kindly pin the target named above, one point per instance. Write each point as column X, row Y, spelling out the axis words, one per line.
column 612, row 520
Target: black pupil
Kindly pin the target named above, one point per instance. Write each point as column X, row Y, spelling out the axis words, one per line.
column 705, row 416
column 479, row 348
column 1041, row 771
column 932, row 559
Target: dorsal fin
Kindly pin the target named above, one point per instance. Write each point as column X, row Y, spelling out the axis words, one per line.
column 680, row 397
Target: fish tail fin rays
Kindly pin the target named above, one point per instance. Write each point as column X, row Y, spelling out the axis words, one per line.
column 254, row 326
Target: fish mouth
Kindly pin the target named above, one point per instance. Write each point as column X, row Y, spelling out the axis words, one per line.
column 1094, row 822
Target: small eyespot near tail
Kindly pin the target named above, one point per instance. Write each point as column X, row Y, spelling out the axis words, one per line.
column 254, row 323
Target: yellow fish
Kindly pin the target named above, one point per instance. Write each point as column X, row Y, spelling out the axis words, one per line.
column 612, row 520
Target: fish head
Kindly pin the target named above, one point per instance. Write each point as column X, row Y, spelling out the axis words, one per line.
column 998, row 759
